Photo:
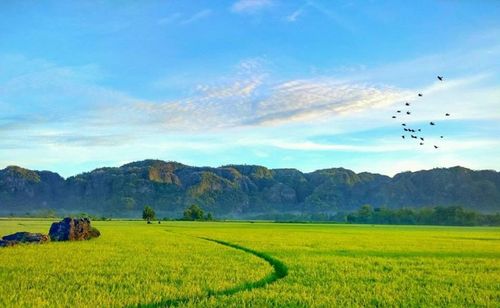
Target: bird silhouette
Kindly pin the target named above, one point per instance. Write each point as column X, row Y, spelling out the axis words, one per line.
column 420, row 139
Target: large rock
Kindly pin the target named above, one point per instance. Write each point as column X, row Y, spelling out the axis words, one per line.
column 26, row 237
column 23, row 237
column 7, row 243
column 73, row 229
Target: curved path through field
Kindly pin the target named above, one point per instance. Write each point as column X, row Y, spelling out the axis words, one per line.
column 280, row 270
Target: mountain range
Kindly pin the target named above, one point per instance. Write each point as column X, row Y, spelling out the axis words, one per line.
column 240, row 190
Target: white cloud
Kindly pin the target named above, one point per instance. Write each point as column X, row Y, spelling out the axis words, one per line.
column 250, row 6
column 252, row 102
column 303, row 100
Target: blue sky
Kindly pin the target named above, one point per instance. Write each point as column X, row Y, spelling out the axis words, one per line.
column 302, row 84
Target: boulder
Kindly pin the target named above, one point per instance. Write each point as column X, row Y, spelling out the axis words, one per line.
column 26, row 237
column 7, row 243
column 73, row 229
column 23, row 237
column 94, row 232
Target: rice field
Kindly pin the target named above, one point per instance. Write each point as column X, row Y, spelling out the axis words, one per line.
column 221, row 264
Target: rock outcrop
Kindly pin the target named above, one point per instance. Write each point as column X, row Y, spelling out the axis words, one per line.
column 73, row 229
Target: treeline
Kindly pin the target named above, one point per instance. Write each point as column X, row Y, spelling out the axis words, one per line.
column 445, row 216
column 439, row 215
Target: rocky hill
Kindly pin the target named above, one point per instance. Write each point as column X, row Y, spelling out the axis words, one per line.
column 240, row 190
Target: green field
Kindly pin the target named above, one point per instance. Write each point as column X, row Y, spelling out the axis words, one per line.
column 177, row 263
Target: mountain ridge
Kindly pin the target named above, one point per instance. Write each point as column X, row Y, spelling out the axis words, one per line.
column 241, row 190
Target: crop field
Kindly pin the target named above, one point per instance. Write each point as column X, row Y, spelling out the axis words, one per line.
column 220, row 264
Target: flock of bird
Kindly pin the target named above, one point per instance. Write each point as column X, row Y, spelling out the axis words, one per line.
column 415, row 133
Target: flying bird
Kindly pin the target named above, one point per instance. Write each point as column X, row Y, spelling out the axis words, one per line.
column 408, row 112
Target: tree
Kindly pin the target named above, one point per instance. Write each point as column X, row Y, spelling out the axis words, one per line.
column 148, row 214
column 365, row 214
column 193, row 212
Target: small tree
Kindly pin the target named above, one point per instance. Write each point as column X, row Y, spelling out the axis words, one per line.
column 209, row 217
column 148, row 214
column 193, row 212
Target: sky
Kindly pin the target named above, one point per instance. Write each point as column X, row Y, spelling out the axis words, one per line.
column 298, row 84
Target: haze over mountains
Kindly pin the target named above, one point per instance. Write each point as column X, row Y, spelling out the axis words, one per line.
column 240, row 190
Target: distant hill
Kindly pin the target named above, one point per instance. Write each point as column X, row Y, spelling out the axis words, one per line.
column 241, row 190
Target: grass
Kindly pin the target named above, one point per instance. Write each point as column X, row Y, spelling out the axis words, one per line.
column 238, row 264
column 280, row 271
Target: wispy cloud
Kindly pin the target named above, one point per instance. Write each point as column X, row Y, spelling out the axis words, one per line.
column 336, row 17
column 248, row 98
column 183, row 19
column 255, row 102
column 381, row 146
column 295, row 15
column 197, row 16
column 175, row 17
column 250, row 6
column 303, row 100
